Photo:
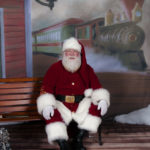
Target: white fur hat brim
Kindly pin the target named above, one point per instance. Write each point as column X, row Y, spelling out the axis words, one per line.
column 71, row 43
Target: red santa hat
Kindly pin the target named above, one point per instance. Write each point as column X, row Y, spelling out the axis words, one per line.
column 71, row 43
column 84, row 69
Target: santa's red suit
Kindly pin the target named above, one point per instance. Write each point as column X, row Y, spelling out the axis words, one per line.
column 58, row 82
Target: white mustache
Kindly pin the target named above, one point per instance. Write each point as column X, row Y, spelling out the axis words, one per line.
column 72, row 57
column 71, row 63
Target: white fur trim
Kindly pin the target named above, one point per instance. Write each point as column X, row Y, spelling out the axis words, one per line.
column 71, row 65
column 82, row 110
column 64, row 111
column 55, row 131
column 71, row 43
column 91, row 123
column 101, row 94
column 45, row 100
column 79, row 115
column 88, row 92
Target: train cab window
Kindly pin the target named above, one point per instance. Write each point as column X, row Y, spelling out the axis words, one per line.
column 79, row 33
column 83, row 33
column 94, row 31
column 101, row 23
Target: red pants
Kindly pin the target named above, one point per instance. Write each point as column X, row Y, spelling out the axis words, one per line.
column 72, row 107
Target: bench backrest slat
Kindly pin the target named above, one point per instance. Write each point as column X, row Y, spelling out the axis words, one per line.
column 20, row 119
column 17, row 102
column 19, row 96
column 18, row 99
column 17, row 108
column 19, row 90
column 22, row 113
column 19, row 85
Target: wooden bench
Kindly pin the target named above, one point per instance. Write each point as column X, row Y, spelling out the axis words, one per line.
column 18, row 99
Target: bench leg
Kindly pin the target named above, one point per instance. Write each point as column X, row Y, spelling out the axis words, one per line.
column 99, row 135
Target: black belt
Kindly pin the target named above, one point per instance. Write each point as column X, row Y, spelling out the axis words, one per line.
column 69, row 98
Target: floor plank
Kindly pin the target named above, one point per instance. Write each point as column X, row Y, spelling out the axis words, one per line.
column 115, row 136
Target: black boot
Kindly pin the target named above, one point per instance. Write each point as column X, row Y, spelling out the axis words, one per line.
column 79, row 140
column 63, row 144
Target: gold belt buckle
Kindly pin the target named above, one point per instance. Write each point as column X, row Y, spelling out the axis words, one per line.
column 70, row 99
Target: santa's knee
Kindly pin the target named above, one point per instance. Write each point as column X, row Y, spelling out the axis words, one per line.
column 91, row 123
column 56, row 131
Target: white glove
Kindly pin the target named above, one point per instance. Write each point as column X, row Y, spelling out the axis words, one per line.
column 102, row 105
column 48, row 112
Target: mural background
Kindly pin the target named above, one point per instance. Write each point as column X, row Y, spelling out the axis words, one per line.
column 101, row 57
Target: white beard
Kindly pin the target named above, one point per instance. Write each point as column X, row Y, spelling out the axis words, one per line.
column 71, row 65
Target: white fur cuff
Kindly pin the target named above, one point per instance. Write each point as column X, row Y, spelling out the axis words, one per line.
column 64, row 111
column 82, row 110
column 100, row 94
column 88, row 92
column 55, row 131
column 45, row 100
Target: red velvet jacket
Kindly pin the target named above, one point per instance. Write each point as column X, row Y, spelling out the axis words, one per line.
column 58, row 81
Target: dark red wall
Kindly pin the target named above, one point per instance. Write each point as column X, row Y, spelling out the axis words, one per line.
column 14, row 31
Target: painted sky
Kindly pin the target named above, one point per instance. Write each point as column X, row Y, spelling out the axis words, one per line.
column 42, row 16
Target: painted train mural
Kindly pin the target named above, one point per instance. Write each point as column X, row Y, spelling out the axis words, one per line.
column 122, row 40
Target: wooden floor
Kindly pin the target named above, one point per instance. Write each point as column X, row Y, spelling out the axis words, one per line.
column 31, row 136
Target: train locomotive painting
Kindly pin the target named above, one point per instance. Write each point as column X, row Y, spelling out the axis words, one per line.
column 121, row 39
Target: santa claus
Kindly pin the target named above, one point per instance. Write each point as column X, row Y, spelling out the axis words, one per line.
column 72, row 92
